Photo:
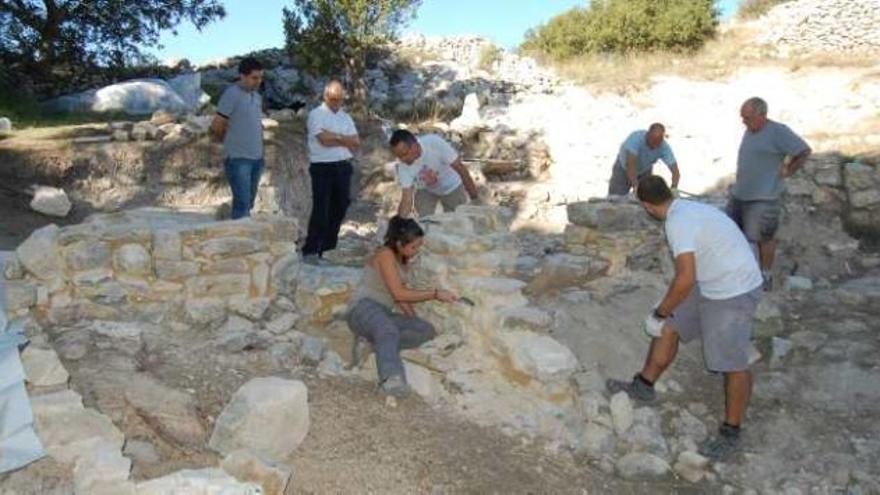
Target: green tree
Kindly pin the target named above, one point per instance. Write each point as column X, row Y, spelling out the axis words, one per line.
column 334, row 37
column 626, row 26
column 77, row 34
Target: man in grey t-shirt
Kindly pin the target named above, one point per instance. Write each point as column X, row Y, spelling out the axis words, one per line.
column 769, row 153
column 239, row 123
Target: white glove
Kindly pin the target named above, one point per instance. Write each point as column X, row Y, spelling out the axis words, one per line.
column 653, row 325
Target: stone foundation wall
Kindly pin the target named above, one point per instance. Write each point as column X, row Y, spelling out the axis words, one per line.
column 153, row 265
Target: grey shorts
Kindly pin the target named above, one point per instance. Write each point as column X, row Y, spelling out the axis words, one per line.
column 723, row 325
column 759, row 220
column 426, row 202
column 618, row 184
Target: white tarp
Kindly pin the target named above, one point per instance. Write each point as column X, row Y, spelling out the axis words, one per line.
column 19, row 445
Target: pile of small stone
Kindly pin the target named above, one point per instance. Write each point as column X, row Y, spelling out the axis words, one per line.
column 807, row 26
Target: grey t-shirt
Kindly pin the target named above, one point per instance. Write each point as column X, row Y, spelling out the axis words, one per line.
column 244, row 130
column 760, row 156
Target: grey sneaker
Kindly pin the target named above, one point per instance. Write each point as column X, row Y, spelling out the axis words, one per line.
column 635, row 388
column 721, row 446
column 768, row 283
column 396, row 386
column 360, row 351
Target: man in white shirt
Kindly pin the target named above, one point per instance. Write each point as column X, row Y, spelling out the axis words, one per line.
column 332, row 142
column 713, row 297
column 430, row 171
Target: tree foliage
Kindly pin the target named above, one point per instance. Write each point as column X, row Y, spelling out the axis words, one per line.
column 625, row 26
column 77, row 34
column 334, row 37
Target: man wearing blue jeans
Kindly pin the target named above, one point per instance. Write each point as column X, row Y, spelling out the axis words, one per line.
column 239, row 123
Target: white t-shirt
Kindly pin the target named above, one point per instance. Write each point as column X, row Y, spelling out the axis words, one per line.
column 323, row 119
column 726, row 266
column 431, row 171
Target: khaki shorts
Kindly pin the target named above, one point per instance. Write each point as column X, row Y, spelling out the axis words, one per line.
column 723, row 325
column 759, row 220
column 426, row 202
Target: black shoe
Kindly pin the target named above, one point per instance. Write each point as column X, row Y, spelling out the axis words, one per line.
column 637, row 389
column 721, row 446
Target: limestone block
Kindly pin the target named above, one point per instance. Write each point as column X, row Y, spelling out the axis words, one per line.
column 284, row 272
column 526, row 318
column 167, row 245
column 226, row 247
column 859, row 177
column 539, row 356
column 282, row 323
column 621, row 412
column 597, row 440
column 245, row 466
column 563, row 270
column 768, row 319
column 218, row 285
column 133, row 259
column 641, row 466
column 608, row 216
column 39, row 253
column 55, row 404
column 260, row 279
column 268, row 416
column 323, row 292
column 645, row 434
column 176, row 270
column 120, row 135
column 691, row 466
column 43, row 368
column 92, row 278
column 50, row 201
column 20, row 295
column 311, row 348
column 209, row 481
column 423, row 382
column 69, row 434
column 13, row 269
column 689, row 426
column 97, row 470
column 83, row 255
column 251, row 308
column 864, row 199
column 171, row 413
column 205, row 311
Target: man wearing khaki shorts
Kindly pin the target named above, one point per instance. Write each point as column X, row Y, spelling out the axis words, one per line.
column 713, row 298
column 430, row 172
column 761, row 167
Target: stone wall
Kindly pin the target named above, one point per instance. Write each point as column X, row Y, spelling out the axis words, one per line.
column 824, row 26
column 153, row 265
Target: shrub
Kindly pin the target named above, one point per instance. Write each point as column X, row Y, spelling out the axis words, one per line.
column 625, row 26
column 752, row 9
column 489, row 54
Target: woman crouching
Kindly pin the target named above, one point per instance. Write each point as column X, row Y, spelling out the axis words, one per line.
column 382, row 290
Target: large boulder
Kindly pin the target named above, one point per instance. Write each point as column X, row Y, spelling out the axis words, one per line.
column 170, row 412
column 268, row 416
column 608, row 216
column 135, row 97
column 189, row 88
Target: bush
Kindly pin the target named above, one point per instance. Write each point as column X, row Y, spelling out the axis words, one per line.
column 625, row 26
column 752, row 9
column 489, row 54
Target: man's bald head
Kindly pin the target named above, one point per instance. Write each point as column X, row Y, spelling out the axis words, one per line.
column 334, row 95
column 656, row 134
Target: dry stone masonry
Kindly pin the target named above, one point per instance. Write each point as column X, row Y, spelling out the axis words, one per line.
column 824, row 26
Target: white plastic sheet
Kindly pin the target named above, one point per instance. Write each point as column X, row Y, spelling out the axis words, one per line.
column 19, row 445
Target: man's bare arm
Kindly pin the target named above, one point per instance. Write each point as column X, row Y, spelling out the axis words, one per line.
column 632, row 174
column 676, row 174
column 466, row 179
column 333, row 139
column 682, row 285
column 407, row 196
column 218, row 127
column 796, row 163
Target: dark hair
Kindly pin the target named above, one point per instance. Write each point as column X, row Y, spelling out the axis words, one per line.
column 401, row 136
column 248, row 65
column 653, row 189
column 402, row 231
column 657, row 127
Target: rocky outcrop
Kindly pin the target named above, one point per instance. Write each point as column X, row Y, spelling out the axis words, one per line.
column 824, row 26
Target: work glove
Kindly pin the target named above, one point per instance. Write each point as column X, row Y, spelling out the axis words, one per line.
column 653, row 325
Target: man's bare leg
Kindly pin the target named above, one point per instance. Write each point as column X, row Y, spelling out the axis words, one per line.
column 766, row 254
column 737, row 391
column 660, row 355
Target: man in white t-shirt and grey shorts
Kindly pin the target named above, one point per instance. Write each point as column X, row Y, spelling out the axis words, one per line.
column 713, row 298
column 430, row 171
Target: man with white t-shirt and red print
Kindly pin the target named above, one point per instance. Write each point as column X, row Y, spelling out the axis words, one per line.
column 713, row 298
column 430, row 171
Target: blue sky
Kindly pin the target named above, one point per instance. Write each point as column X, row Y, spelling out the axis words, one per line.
column 255, row 24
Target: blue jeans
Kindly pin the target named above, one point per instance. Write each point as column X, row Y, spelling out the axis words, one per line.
column 243, row 175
